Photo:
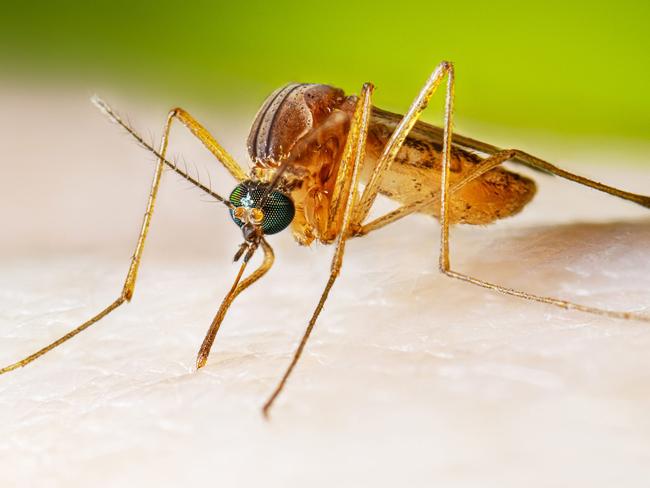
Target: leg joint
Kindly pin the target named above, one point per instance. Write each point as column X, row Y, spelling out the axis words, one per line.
column 447, row 66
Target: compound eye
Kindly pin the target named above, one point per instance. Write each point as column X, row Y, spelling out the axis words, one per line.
column 276, row 214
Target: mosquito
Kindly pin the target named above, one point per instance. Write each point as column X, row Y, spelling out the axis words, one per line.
column 320, row 159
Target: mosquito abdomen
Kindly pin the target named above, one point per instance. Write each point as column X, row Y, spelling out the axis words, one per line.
column 415, row 174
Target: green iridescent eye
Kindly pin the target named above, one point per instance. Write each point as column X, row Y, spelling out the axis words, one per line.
column 278, row 209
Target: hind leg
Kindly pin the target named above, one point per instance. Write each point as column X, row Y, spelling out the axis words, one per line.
column 444, row 194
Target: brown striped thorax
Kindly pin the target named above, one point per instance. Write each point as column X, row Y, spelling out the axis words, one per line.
column 309, row 123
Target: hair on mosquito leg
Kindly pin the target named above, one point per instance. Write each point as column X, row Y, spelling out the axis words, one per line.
column 209, row 179
column 115, row 118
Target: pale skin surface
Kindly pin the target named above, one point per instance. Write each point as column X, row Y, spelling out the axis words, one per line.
column 408, row 378
column 352, row 209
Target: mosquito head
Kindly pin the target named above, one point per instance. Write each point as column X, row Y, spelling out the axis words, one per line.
column 259, row 211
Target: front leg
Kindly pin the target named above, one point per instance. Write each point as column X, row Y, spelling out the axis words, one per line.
column 129, row 283
column 394, row 144
column 354, row 151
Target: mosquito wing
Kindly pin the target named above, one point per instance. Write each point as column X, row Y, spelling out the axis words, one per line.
column 434, row 134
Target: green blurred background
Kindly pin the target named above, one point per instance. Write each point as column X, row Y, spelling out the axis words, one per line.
column 576, row 68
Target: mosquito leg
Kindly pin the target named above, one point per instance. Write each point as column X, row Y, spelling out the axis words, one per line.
column 210, row 143
column 25, row 361
column 401, row 132
column 129, row 283
column 483, row 167
column 536, row 163
column 114, row 117
column 397, row 138
column 354, row 150
column 444, row 262
column 445, row 256
column 390, row 217
column 498, row 158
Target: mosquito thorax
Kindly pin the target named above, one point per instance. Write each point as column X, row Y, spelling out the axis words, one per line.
column 275, row 214
column 287, row 115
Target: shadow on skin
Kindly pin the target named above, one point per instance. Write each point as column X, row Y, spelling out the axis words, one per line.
column 597, row 261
